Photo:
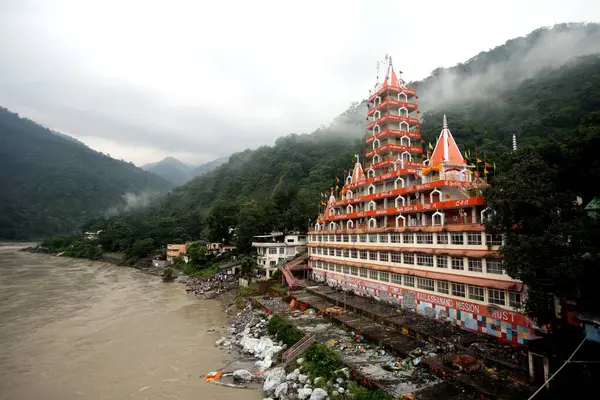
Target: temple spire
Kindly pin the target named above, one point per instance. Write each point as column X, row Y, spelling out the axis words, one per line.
column 446, row 151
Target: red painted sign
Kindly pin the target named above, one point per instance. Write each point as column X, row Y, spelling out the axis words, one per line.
column 471, row 201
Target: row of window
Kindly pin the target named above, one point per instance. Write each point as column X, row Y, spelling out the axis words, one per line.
column 491, row 266
column 453, row 238
column 472, row 292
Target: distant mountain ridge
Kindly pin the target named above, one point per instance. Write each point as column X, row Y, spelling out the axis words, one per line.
column 177, row 172
column 51, row 183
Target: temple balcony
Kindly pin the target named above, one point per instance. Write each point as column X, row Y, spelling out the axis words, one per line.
column 392, row 102
column 384, row 177
column 397, row 188
column 382, row 134
column 385, row 91
column 426, row 214
column 393, row 147
column 394, row 118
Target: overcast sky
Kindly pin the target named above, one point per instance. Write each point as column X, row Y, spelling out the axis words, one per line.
column 197, row 80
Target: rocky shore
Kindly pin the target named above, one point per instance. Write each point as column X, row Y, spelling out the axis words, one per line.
column 248, row 335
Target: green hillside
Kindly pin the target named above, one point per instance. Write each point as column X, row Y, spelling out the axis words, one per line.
column 51, row 183
column 279, row 187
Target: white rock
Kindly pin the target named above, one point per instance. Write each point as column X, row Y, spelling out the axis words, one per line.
column 300, row 361
column 273, row 379
column 341, row 390
column 262, row 365
column 220, row 341
column 242, row 375
column 339, row 380
column 292, row 376
column 304, row 393
column 302, row 378
column 308, row 382
column 319, row 379
column 281, row 390
column 318, row 394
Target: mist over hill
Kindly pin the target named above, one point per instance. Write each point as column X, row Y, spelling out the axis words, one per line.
column 50, row 182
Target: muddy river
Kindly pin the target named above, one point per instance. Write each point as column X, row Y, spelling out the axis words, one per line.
column 76, row 329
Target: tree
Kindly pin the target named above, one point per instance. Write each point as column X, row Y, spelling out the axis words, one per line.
column 248, row 267
column 198, row 254
column 221, row 217
column 141, row 248
column 551, row 243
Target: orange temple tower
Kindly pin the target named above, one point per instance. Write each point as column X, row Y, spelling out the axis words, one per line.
column 406, row 228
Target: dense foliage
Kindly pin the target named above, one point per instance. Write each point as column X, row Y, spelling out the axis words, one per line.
column 72, row 246
column 284, row 330
column 51, row 183
column 552, row 243
column 322, row 361
column 136, row 235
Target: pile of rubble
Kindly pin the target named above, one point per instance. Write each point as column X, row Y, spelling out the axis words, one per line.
column 208, row 288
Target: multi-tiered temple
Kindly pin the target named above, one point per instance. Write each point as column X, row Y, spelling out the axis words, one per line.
column 406, row 228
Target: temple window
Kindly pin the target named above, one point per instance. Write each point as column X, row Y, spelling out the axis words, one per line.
column 496, row 297
column 474, row 238
column 476, row 293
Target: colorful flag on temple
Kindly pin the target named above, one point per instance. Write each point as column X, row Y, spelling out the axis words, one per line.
column 430, row 146
column 485, row 171
column 479, row 161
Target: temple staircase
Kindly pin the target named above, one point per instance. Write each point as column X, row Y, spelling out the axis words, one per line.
column 299, row 347
column 287, row 268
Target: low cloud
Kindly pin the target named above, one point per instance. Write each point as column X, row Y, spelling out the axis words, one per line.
column 520, row 60
column 133, row 201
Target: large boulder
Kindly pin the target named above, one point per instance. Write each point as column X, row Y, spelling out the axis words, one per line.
column 273, row 378
column 304, row 393
column 318, row 394
column 302, row 378
column 292, row 376
column 242, row 375
column 281, row 390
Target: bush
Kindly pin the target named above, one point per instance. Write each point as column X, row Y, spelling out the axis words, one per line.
column 322, row 361
column 168, row 275
column 284, row 330
column 361, row 393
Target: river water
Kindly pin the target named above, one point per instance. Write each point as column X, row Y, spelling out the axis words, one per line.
column 76, row 329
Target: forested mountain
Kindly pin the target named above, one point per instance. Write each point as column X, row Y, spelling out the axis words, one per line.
column 177, row 172
column 280, row 186
column 542, row 86
column 51, row 183
column 171, row 169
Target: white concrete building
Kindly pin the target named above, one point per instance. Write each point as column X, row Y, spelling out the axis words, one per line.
column 277, row 247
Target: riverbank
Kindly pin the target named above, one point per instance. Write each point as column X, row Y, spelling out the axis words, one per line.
column 120, row 334
column 246, row 340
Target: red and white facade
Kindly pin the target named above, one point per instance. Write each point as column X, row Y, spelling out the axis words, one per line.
column 406, row 227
